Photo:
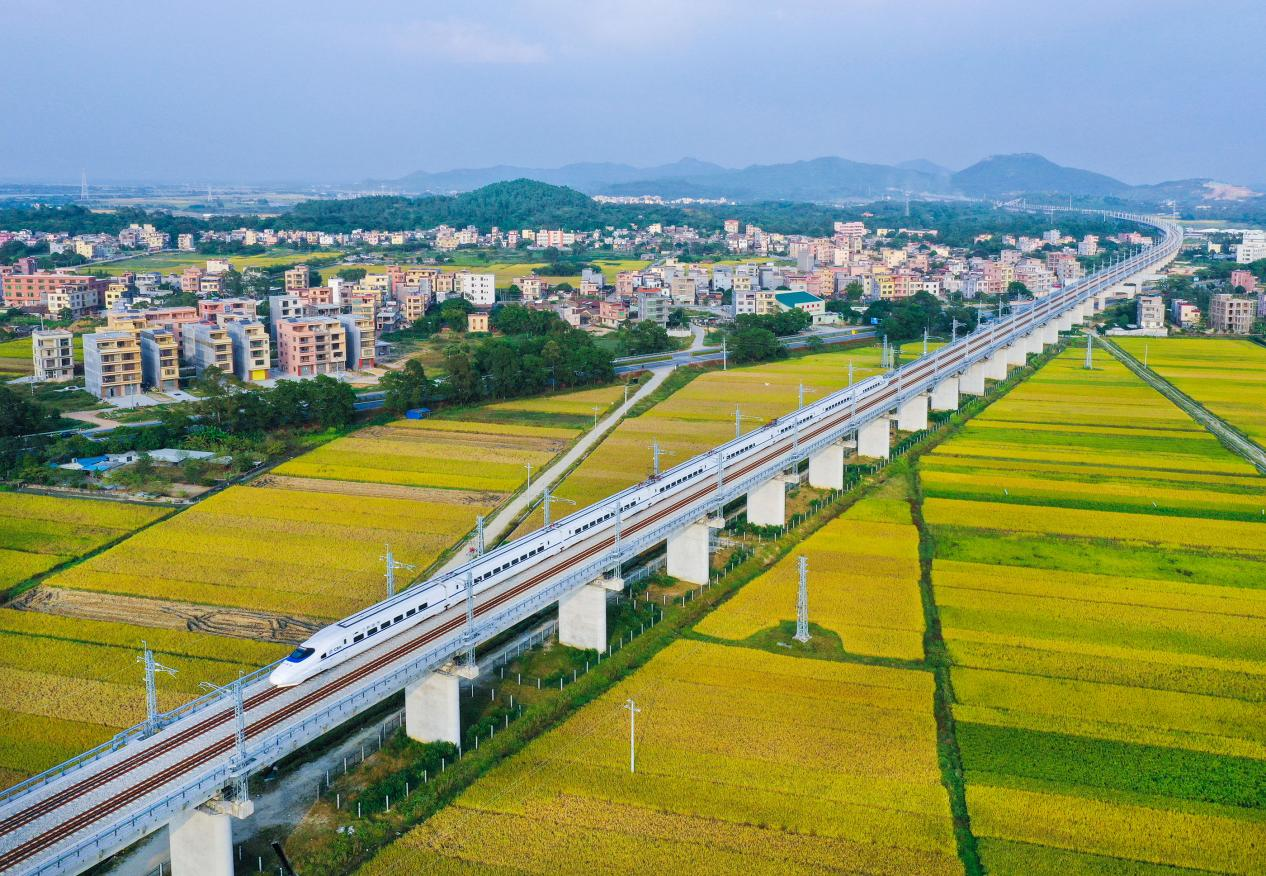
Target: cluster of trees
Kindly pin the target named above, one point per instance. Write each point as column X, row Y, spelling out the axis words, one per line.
column 248, row 410
column 230, row 418
column 510, row 366
column 533, row 351
column 643, row 338
column 907, row 319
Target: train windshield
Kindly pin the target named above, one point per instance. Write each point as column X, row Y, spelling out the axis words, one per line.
column 300, row 654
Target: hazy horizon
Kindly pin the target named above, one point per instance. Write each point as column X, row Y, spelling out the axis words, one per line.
column 326, row 94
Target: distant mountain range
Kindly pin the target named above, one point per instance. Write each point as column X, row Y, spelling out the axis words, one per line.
column 831, row 179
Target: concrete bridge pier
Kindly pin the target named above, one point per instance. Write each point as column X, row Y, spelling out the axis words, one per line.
column 826, row 467
column 201, row 838
column 972, row 381
column 767, row 502
column 874, row 440
column 1065, row 322
column 1017, row 353
column 1050, row 333
column 996, row 367
column 1033, row 341
column 945, row 395
column 582, row 615
column 688, row 550
column 912, row 414
column 432, row 710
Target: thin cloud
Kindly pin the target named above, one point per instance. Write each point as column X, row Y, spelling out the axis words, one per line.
column 465, row 42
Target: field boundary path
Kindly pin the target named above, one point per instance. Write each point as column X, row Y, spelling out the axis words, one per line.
column 1221, row 429
column 512, row 510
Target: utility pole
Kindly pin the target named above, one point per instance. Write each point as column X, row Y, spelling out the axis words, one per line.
column 925, row 342
column 633, row 710
column 470, row 617
column 802, row 602
column 724, row 366
column 83, row 185
column 152, row 667
column 392, row 565
column 549, row 497
column 850, row 372
column 953, row 330
column 596, row 411
column 479, row 536
column 1145, row 355
column 1089, row 356
column 241, row 761
column 529, row 476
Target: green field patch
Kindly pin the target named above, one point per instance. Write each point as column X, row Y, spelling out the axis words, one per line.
column 1098, row 555
column 1100, row 763
column 1009, row 858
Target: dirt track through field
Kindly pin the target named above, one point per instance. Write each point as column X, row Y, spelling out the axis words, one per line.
column 236, row 623
column 384, row 491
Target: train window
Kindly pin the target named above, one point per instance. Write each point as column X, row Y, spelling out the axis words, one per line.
column 422, row 606
column 371, row 631
column 358, row 637
column 322, row 657
column 397, row 619
column 410, row 612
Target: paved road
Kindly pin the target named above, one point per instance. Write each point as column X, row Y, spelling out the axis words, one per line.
column 502, row 520
column 1222, row 430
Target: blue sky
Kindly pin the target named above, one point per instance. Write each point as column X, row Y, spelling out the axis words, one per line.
column 271, row 89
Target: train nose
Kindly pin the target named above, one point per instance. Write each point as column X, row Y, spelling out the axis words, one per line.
column 283, row 676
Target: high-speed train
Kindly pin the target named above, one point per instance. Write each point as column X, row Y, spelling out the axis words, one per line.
column 345, row 639
column 341, row 641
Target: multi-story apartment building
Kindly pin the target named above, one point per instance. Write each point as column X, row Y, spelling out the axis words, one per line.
column 191, row 280
column 1184, row 313
column 171, row 318
column 479, row 289
column 1252, row 247
column 1231, row 314
column 112, row 364
column 73, row 299
column 653, row 305
column 31, row 291
column 1151, row 312
column 1242, row 279
column 212, row 284
column 251, row 347
column 160, row 359
column 184, row 243
column 52, row 351
column 207, row 345
column 283, row 307
column 297, row 278
column 612, row 312
column 414, row 305
column 307, row 346
column 358, row 330
column 210, row 309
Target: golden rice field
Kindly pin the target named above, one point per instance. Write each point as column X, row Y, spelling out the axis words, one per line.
column 1226, row 376
column 863, row 582
column 316, row 553
column 67, row 685
column 701, row 415
column 747, row 763
column 1098, row 576
column 40, row 532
